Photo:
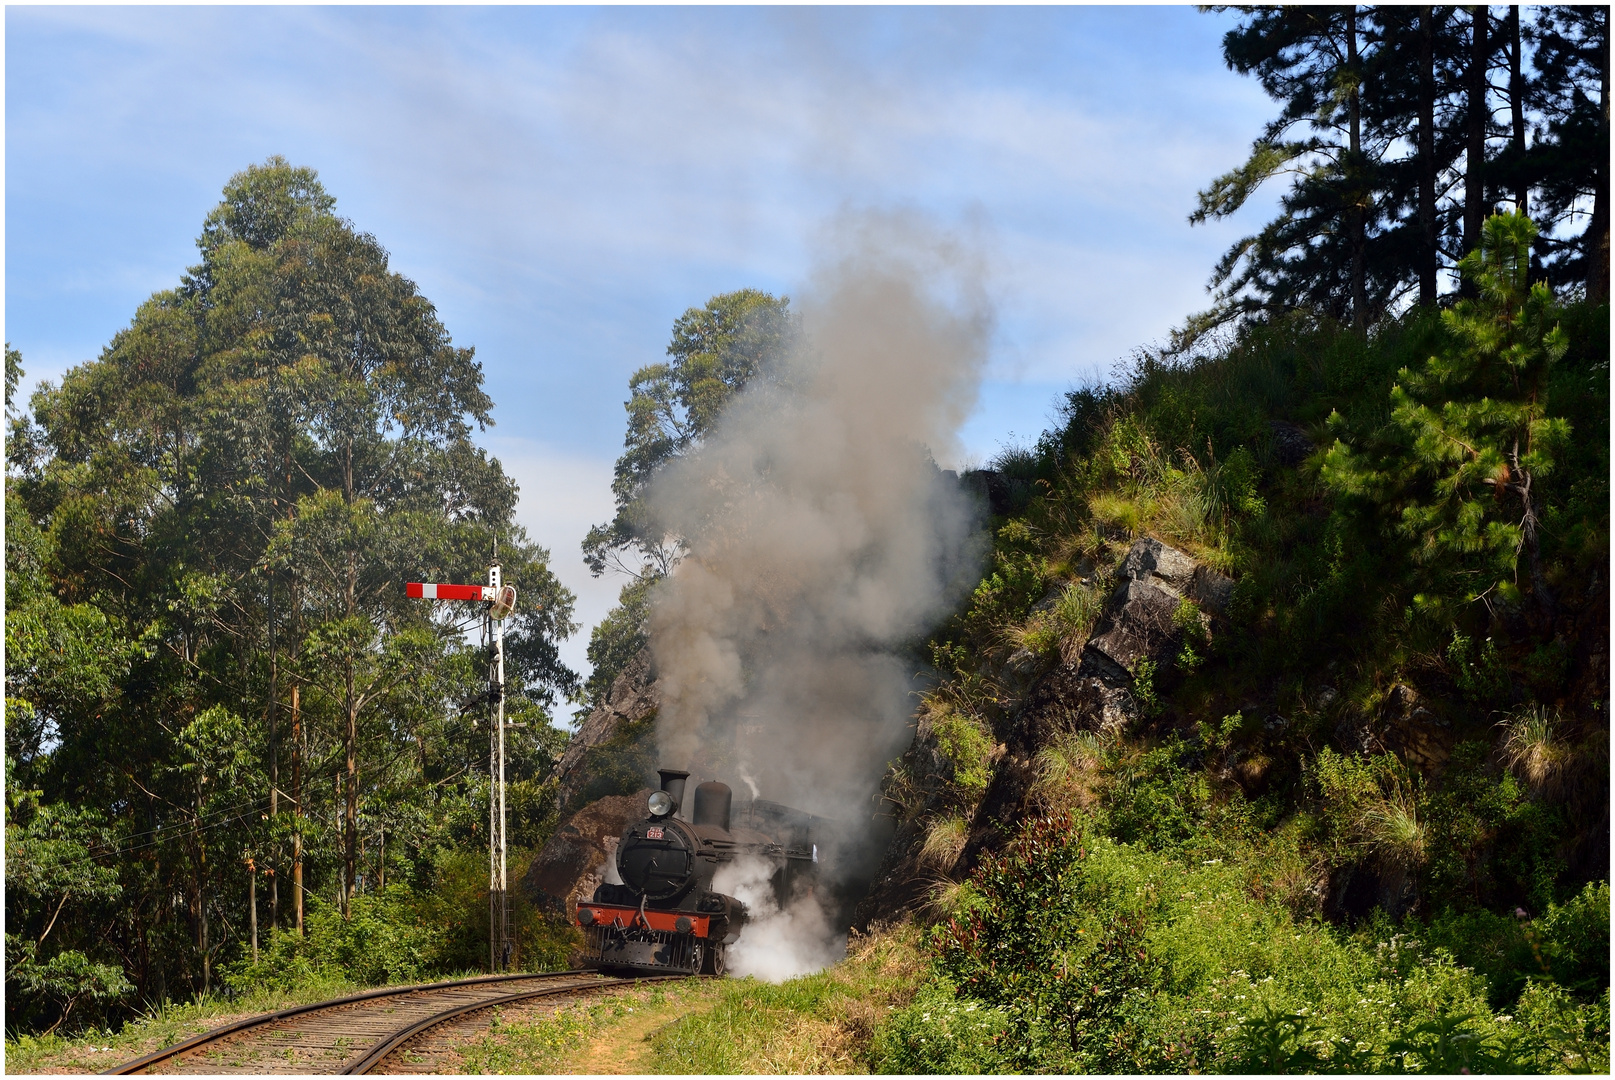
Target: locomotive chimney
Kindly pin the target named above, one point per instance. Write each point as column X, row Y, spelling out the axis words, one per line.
column 673, row 784
column 712, row 804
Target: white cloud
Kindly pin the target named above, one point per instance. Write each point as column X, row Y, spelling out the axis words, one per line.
column 563, row 182
column 562, row 495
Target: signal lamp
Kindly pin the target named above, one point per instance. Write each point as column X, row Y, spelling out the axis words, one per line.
column 504, row 602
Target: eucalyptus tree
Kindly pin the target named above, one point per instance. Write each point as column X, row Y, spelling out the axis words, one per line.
column 715, row 351
column 238, row 487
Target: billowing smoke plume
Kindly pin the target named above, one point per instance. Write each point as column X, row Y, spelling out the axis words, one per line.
column 823, row 537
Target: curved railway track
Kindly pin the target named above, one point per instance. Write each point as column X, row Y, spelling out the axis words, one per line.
column 359, row 1033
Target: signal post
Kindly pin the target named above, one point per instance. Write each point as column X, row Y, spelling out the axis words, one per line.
column 500, row 600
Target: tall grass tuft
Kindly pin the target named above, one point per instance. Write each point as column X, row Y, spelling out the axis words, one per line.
column 944, row 841
column 1061, row 629
column 1535, row 748
column 1067, row 771
column 1392, row 831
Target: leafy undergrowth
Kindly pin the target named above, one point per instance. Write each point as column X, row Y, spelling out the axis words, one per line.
column 92, row 1050
column 1074, row 953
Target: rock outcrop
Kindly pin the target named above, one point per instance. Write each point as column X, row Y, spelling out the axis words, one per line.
column 573, row 863
column 625, row 716
column 1142, row 621
column 602, row 779
column 1290, row 443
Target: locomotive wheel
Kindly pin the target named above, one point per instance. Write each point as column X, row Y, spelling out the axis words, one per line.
column 714, row 959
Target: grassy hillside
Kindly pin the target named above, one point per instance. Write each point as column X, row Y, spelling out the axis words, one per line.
column 1359, row 821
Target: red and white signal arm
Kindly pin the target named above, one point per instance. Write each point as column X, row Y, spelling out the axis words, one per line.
column 503, row 598
column 427, row 590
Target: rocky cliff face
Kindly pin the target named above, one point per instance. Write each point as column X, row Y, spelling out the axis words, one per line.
column 1142, row 621
column 573, row 864
column 611, row 752
column 603, row 782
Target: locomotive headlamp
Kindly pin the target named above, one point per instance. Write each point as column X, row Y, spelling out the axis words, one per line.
column 661, row 804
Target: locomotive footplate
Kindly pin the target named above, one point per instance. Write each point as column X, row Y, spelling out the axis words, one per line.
column 612, row 915
column 635, row 939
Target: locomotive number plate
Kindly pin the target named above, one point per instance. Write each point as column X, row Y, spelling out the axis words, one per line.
column 653, row 833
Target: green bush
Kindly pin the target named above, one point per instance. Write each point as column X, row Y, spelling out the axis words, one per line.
column 388, row 938
column 1575, row 942
column 1099, row 956
column 968, row 746
column 941, row 1033
column 1562, row 1034
column 1489, row 844
column 1153, row 800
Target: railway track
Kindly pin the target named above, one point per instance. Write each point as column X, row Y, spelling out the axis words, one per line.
column 362, row 1033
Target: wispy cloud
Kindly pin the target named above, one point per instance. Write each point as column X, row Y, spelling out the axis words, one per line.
column 563, row 182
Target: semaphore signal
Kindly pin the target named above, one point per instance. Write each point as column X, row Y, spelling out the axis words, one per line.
column 501, row 601
column 426, row 590
column 502, row 597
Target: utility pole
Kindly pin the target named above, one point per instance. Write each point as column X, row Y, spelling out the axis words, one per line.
column 500, row 600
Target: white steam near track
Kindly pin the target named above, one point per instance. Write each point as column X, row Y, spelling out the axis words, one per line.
column 823, row 538
column 777, row 944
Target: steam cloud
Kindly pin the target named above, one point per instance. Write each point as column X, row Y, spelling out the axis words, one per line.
column 776, row 945
column 823, row 537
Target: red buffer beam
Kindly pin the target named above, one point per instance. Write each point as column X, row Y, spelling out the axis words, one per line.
column 425, row 590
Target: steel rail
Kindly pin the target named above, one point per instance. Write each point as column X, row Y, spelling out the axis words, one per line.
column 186, row 1045
column 385, row 1047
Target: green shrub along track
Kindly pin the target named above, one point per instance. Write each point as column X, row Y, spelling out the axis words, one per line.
column 358, row 1033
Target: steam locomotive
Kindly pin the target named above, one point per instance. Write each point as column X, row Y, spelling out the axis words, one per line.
column 665, row 917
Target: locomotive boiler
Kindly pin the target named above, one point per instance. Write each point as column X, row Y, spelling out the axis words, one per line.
column 665, row 916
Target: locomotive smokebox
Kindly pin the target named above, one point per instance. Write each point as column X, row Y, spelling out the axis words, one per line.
column 673, row 784
column 712, row 801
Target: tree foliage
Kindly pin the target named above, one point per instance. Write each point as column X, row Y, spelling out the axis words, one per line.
column 716, row 350
column 1390, row 134
column 1472, row 433
column 210, row 653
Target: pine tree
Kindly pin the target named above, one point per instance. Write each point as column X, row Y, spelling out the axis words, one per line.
column 1386, row 134
column 1314, row 61
column 1569, row 162
column 1471, row 435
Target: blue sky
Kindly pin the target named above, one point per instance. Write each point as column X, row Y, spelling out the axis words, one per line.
column 563, row 182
